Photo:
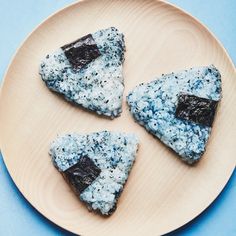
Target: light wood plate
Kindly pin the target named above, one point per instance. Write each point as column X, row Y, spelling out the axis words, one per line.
column 162, row 193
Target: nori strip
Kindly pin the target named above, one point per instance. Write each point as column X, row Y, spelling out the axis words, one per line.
column 82, row 174
column 82, row 51
column 196, row 109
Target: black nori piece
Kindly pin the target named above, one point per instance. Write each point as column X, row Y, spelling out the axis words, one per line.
column 196, row 109
column 82, row 174
column 82, row 51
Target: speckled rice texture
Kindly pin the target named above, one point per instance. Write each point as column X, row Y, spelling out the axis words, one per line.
column 98, row 86
column 114, row 153
column 153, row 105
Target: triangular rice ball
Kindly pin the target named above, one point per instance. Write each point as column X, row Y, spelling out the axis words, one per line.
column 88, row 72
column 179, row 109
column 96, row 166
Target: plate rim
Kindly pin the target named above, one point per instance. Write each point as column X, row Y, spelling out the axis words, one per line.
column 66, row 7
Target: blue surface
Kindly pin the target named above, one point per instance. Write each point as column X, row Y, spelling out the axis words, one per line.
column 18, row 18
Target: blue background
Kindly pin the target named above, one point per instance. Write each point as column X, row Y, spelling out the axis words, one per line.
column 18, row 18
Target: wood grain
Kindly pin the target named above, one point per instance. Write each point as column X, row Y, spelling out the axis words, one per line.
column 162, row 193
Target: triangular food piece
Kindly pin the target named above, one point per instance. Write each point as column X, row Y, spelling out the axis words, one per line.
column 88, row 71
column 179, row 109
column 96, row 166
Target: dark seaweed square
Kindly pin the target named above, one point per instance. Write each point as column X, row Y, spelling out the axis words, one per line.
column 82, row 51
column 82, row 174
column 196, row 109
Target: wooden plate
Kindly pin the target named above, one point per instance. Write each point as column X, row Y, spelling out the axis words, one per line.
column 162, row 192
